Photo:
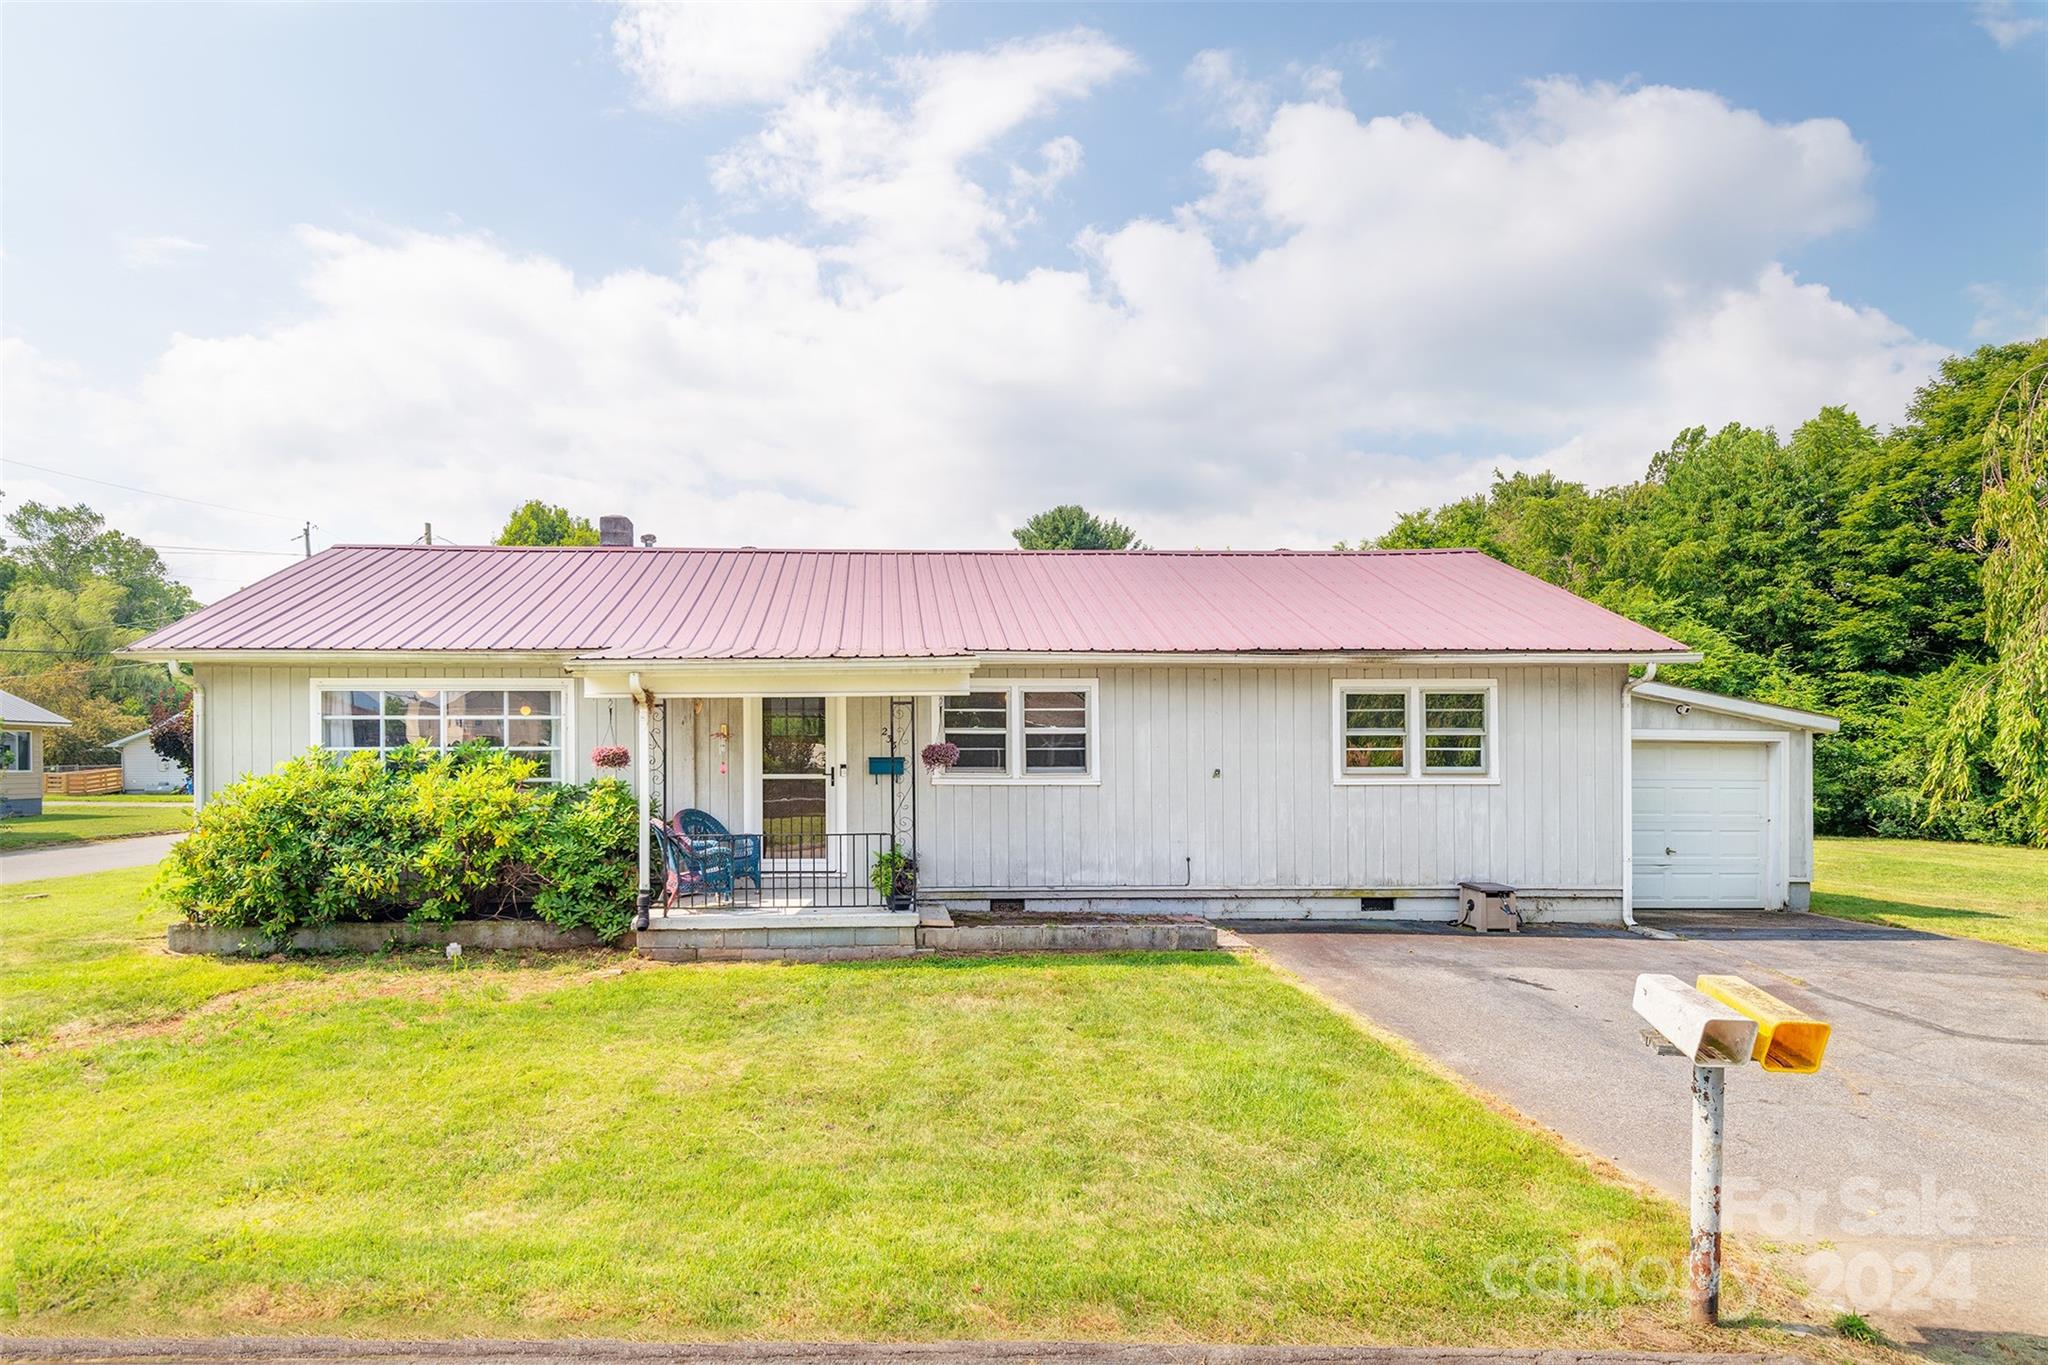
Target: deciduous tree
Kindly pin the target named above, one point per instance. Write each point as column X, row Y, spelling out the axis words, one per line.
column 1073, row 527
column 540, row 523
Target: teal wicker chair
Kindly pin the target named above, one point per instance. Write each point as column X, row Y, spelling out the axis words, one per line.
column 695, row 866
column 745, row 848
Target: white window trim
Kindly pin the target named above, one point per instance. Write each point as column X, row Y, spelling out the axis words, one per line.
column 1412, row 749
column 565, row 717
column 27, row 750
column 1016, row 776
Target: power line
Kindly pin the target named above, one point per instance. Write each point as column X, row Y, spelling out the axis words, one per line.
column 217, row 550
column 150, row 492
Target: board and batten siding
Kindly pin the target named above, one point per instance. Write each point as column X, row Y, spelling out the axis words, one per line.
column 258, row 715
column 1652, row 715
column 1218, row 781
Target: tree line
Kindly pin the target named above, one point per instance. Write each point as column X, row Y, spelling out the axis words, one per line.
column 1839, row 569
column 73, row 590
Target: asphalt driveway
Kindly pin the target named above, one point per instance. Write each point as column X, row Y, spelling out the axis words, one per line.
column 1911, row 1172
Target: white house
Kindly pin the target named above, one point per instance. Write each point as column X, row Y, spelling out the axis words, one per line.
column 143, row 769
column 1234, row 734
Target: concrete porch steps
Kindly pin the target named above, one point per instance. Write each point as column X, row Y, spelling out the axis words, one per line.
column 812, row 936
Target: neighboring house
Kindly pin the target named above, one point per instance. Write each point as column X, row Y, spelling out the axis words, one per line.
column 143, row 769
column 23, row 727
column 1276, row 733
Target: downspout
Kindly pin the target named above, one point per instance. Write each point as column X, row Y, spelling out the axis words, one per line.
column 1628, row 793
column 642, row 779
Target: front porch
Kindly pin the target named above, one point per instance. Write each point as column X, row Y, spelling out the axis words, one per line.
column 791, row 802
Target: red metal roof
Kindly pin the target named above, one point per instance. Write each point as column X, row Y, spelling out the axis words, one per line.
column 629, row 602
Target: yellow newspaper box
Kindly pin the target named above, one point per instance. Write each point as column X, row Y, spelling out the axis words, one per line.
column 1786, row 1039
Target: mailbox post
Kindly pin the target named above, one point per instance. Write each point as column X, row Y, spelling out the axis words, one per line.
column 1724, row 1023
column 1703, row 1253
column 1713, row 1037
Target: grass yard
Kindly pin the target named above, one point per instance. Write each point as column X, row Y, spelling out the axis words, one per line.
column 1167, row 1147
column 85, row 823
column 1964, row 890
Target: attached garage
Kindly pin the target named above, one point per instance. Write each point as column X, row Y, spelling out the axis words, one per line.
column 1721, row 801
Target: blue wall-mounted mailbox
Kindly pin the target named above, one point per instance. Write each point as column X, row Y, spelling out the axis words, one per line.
column 885, row 765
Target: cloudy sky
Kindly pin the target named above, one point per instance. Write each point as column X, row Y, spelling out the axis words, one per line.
column 900, row 274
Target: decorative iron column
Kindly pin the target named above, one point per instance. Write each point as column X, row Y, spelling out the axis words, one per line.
column 903, row 786
column 657, row 756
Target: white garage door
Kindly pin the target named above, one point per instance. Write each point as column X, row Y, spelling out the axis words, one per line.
column 1700, row 820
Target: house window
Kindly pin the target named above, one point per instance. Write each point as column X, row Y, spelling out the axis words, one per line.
column 17, row 751
column 1037, row 731
column 1453, row 732
column 979, row 723
column 1376, row 732
column 1426, row 731
column 526, row 721
column 1055, row 731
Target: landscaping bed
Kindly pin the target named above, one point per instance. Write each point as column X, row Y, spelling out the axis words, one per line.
column 493, row 934
column 331, row 850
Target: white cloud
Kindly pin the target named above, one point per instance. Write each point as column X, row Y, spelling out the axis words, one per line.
column 2006, row 23
column 145, row 253
column 886, row 162
column 2003, row 317
column 709, row 53
column 1574, row 286
column 1235, row 99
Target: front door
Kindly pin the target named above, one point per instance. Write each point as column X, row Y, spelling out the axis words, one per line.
column 796, row 781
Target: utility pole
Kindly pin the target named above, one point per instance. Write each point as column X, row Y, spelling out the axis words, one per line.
column 428, row 535
column 307, row 536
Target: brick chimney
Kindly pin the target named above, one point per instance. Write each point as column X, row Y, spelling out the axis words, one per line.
column 614, row 530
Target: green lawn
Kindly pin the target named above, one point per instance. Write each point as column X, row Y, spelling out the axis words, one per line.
column 1964, row 890
column 1167, row 1146
column 78, row 824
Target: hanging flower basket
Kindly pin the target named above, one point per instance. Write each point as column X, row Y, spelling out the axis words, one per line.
column 610, row 756
column 939, row 757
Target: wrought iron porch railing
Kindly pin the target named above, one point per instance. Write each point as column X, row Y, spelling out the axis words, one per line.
column 778, row 871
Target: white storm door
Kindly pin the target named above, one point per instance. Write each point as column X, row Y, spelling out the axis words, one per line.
column 798, row 782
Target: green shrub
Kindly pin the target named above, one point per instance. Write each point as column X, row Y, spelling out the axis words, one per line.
column 587, row 858
column 425, row 836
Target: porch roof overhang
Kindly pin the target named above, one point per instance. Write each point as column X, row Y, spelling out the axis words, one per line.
column 774, row 677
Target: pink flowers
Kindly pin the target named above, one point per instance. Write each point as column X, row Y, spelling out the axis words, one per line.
column 939, row 757
column 610, row 756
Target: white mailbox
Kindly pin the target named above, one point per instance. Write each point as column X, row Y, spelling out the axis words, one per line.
column 1704, row 1030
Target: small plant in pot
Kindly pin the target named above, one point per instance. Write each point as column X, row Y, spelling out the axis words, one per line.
column 894, row 877
column 939, row 757
column 613, row 756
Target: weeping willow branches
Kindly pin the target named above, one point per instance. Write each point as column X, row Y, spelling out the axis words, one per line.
column 2002, row 720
